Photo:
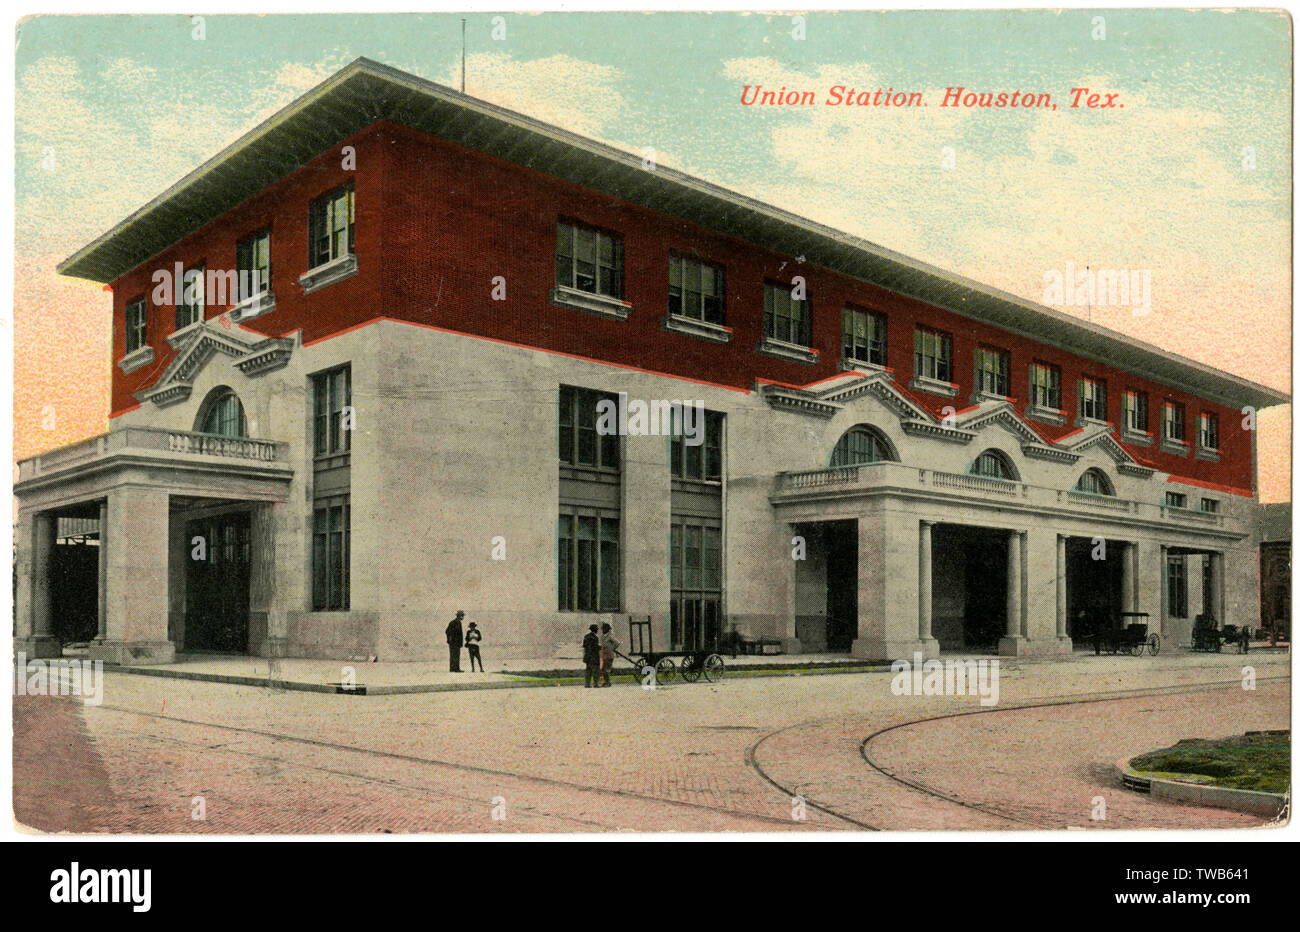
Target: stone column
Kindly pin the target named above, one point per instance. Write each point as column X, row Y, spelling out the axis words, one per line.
column 136, row 609
column 925, row 591
column 1014, row 643
column 1218, row 581
column 1164, row 591
column 1063, row 643
column 102, row 633
column 36, row 636
column 1129, row 585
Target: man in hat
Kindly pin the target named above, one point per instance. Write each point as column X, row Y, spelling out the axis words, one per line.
column 455, row 639
column 591, row 655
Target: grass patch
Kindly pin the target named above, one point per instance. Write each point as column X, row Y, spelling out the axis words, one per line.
column 1243, row 762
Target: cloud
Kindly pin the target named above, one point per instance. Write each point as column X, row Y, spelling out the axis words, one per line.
column 578, row 95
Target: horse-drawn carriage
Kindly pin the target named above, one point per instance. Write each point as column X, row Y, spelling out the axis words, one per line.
column 1127, row 633
column 1208, row 636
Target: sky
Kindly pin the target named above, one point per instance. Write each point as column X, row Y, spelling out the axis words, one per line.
column 1190, row 180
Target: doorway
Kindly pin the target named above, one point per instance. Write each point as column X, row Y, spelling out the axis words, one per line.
column 841, row 584
column 1093, row 586
column 217, row 583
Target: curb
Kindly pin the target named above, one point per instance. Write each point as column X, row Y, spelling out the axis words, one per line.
column 519, row 680
column 1255, row 802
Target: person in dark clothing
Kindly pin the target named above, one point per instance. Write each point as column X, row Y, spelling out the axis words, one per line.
column 473, row 637
column 591, row 655
column 455, row 638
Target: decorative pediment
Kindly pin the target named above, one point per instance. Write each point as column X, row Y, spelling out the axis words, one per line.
column 879, row 385
column 826, row 401
column 796, row 399
column 1003, row 413
column 196, row 346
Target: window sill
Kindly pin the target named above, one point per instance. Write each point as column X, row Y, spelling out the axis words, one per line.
column 1204, row 453
column 1138, row 437
column 981, row 397
column 135, row 359
column 858, row 365
column 790, row 351
column 1174, row 447
column 333, row 271
column 703, row 330
column 587, row 302
column 1045, row 415
column 923, row 383
column 256, row 306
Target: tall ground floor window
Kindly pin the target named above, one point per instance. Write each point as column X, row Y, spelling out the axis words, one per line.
column 695, row 573
column 588, row 561
column 330, row 561
column 1176, row 586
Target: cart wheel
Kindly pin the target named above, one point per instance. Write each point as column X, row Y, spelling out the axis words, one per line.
column 1153, row 644
column 665, row 670
column 690, row 670
column 714, row 668
column 1137, row 648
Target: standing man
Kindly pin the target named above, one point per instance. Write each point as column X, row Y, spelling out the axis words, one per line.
column 473, row 636
column 455, row 638
column 608, row 646
column 591, row 656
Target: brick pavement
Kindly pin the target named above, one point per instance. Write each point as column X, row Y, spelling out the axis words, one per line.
column 564, row 759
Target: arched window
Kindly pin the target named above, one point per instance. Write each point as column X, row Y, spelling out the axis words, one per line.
column 861, row 444
column 1094, row 482
column 992, row 464
column 223, row 415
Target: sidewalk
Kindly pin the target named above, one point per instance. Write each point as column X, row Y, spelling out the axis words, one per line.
column 377, row 679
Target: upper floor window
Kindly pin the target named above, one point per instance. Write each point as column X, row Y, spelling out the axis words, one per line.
column 992, row 369
column 225, row 416
column 1135, row 411
column 253, row 262
column 189, row 303
column 137, row 324
column 1092, row 399
column 992, row 464
column 861, row 445
column 785, row 317
column 1094, row 482
column 932, row 355
column 1209, row 431
column 701, row 460
column 864, row 336
column 1175, row 500
column 695, row 290
column 1044, row 386
column 332, row 411
column 1210, row 505
column 331, row 226
column 1175, row 421
column 587, row 260
column 580, row 442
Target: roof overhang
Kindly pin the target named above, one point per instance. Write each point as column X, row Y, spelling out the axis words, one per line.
column 365, row 92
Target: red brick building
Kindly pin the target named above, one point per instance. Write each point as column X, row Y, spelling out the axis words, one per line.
column 442, row 292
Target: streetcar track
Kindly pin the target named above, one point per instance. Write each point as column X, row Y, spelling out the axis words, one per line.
column 469, row 768
column 750, row 758
column 751, row 753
